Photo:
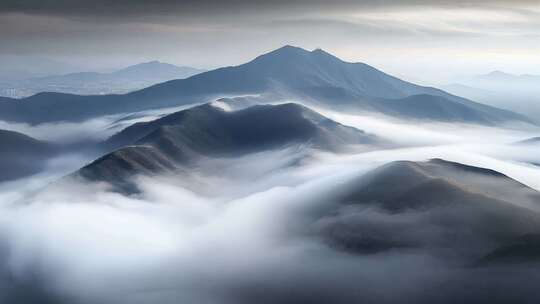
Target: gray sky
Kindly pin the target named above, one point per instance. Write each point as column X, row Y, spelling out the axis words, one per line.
column 421, row 40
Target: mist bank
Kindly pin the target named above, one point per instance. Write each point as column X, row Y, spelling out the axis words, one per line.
column 252, row 232
column 286, row 224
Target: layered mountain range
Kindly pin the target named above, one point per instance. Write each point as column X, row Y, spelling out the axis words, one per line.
column 314, row 77
column 471, row 215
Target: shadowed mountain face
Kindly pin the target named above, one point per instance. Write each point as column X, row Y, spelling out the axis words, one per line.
column 469, row 214
column 205, row 131
column 316, row 77
column 21, row 155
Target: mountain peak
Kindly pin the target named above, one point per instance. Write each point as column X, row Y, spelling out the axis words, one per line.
column 150, row 63
column 285, row 51
column 324, row 55
column 321, row 52
column 497, row 74
column 294, row 50
column 291, row 57
column 153, row 63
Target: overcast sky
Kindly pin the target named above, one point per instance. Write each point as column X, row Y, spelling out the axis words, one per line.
column 421, row 40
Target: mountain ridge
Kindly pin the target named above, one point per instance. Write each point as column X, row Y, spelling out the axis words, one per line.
column 181, row 139
column 289, row 72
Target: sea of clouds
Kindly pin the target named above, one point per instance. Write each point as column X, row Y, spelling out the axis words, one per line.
column 243, row 230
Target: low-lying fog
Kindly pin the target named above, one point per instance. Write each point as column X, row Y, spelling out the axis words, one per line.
column 240, row 230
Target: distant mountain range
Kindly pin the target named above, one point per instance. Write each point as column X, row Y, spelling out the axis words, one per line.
column 21, row 155
column 91, row 83
column 178, row 140
column 502, row 76
column 519, row 93
column 314, row 77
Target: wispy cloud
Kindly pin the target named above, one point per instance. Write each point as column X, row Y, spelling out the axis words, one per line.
column 191, row 32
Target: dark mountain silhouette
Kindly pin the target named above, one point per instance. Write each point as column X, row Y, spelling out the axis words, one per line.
column 21, row 155
column 315, row 77
column 180, row 139
column 464, row 212
column 92, row 83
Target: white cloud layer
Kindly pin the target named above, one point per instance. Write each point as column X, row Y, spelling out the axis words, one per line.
column 240, row 230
